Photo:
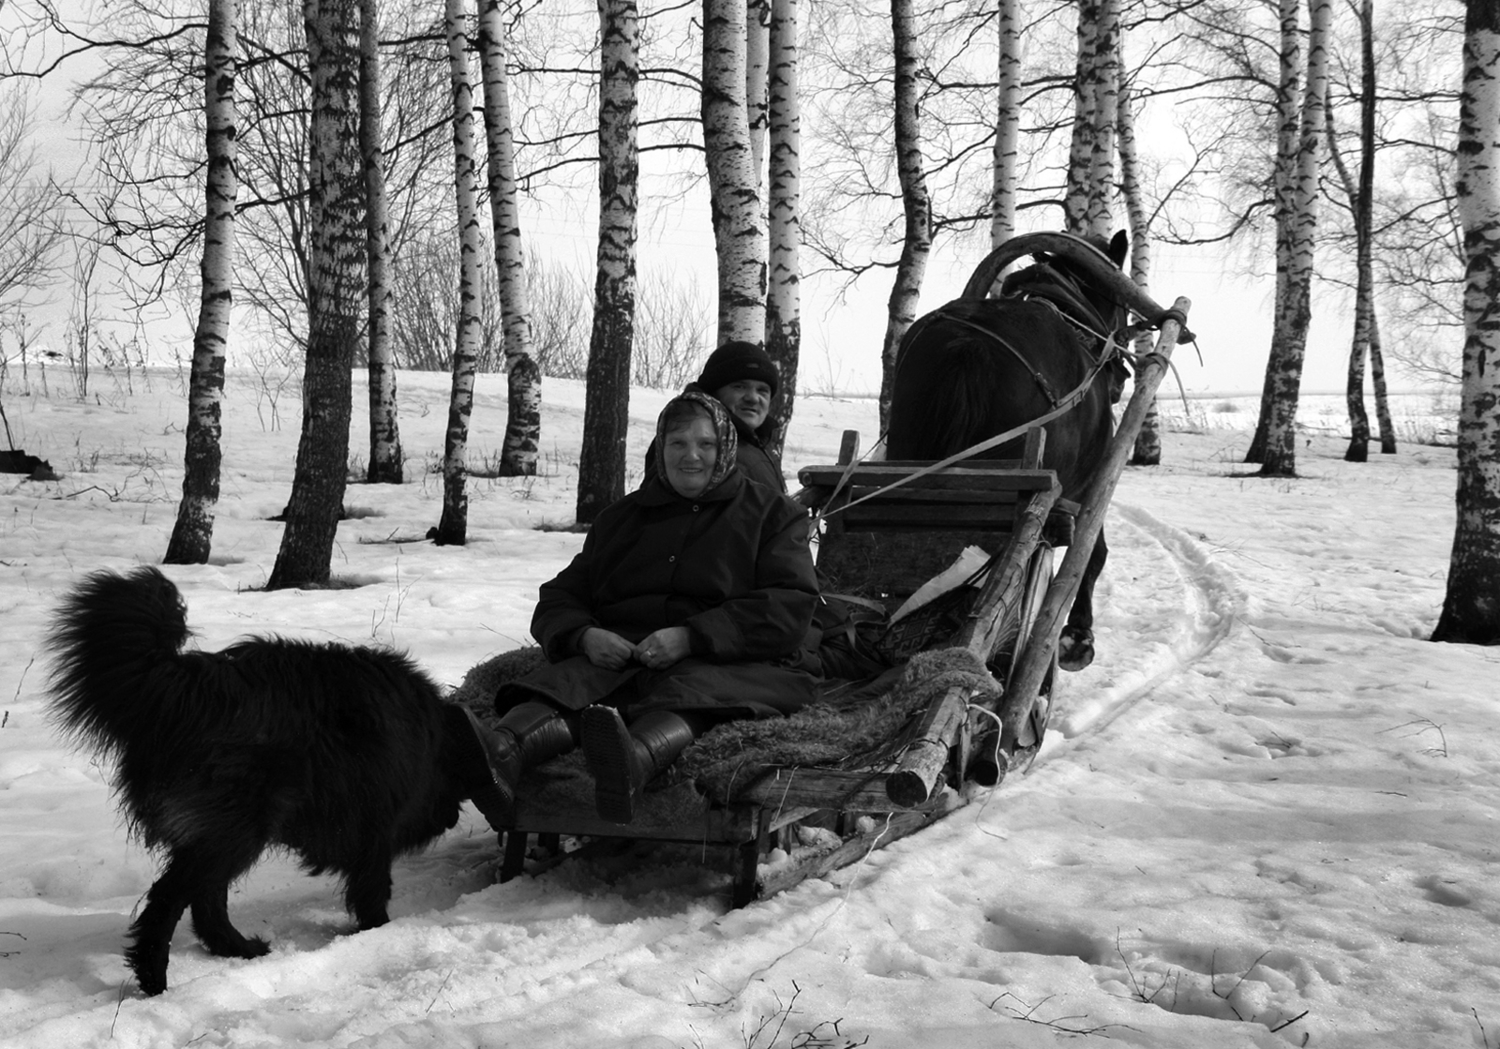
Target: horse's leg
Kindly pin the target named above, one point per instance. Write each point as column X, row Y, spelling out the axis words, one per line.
column 1075, row 648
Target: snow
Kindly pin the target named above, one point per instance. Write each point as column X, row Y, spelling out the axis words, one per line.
column 1266, row 816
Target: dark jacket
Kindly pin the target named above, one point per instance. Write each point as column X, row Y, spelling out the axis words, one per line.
column 732, row 565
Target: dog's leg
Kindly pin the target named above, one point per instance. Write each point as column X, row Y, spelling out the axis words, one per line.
column 151, row 932
column 367, row 890
column 217, row 934
column 214, row 871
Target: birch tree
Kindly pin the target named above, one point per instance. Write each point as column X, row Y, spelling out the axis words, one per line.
column 1471, row 606
column 523, row 423
column 916, row 244
column 1289, row 91
column 1007, row 124
column 606, row 411
column 733, row 181
column 453, row 526
column 335, row 293
column 783, row 295
column 1147, row 451
column 386, row 466
column 192, row 534
column 1360, row 192
column 758, row 15
column 1294, row 313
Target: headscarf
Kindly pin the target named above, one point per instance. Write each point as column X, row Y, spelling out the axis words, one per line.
column 727, row 439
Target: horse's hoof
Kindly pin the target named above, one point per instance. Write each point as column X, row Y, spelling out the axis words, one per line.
column 1075, row 650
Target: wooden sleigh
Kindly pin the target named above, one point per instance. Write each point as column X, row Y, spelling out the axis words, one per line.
column 887, row 528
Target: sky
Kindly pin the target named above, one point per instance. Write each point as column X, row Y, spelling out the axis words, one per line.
column 1266, row 816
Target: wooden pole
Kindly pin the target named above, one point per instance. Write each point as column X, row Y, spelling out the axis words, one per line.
column 997, row 609
column 1026, row 682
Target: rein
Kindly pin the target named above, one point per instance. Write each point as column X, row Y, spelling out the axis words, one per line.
column 1062, row 408
column 1063, row 289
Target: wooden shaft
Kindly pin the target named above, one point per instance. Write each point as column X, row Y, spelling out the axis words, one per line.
column 1074, row 249
column 999, row 604
column 1026, row 682
column 923, row 760
column 921, row 766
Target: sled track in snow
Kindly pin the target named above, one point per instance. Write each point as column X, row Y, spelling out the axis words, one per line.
column 1168, row 603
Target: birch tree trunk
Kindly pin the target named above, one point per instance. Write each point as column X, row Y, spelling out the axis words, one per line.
column 335, row 294
column 916, row 244
column 758, row 17
column 453, row 526
column 386, row 465
column 192, row 534
column 1471, row 606
column 784, row 293
column 523, row 377
column 1293, row 321
column 1007, row 125
column 1104, row 112
column 733, row 184
column 1283, row 180
column 1382, row 397
column 1147, row 451
column 1081, row 148
column 601, row 465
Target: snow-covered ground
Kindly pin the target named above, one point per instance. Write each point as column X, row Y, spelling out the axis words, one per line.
column 1266, row 816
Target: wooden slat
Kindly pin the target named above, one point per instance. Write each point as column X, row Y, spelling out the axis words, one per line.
column 878, row 475
column 993, row 497
column 946, row 517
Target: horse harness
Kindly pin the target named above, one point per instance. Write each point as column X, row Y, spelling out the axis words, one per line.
column 1063, row 289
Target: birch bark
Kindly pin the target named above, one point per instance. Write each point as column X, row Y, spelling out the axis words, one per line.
column 468, row 340
column 523, row 426
column 916, row 244
column 1295, row 316
column 783, row 294
column 335, row 294
column 1076, row 193
column 733, row 185
column 758, row 80
column 1283, row 179
column 386, row 466
column 601, row 465
column 1471, row 606
column 1007, row 125
column 192, row 534
column 1147, row 451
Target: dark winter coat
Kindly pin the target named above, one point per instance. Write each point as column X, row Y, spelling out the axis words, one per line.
column 732, row 565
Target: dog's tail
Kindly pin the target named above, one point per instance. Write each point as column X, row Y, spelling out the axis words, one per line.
column 112, row 641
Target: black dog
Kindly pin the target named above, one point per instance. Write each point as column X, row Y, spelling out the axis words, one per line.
column 347, row 756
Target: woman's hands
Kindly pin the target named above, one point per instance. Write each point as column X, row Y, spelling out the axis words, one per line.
column 605, row 648
column 659, row 650
column 664, row 647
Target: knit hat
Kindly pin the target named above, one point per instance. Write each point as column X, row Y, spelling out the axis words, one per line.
column 735, row 361
column 728, row 437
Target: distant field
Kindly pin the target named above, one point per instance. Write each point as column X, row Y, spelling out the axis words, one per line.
column 1421, row 418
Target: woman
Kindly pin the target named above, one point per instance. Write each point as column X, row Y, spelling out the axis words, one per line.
column 743, row 378
column 689, row 605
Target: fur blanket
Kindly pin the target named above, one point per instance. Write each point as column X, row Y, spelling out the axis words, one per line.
column 852, row 725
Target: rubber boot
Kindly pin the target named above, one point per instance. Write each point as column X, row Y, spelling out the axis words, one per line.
column 527, row 735
column 623, row 760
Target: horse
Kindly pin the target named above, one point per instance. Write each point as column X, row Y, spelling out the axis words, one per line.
column 977, row 367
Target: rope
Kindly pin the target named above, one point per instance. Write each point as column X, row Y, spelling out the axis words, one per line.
column 1064, row 406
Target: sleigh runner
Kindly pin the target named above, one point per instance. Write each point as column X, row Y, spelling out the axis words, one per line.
column 874, row 762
